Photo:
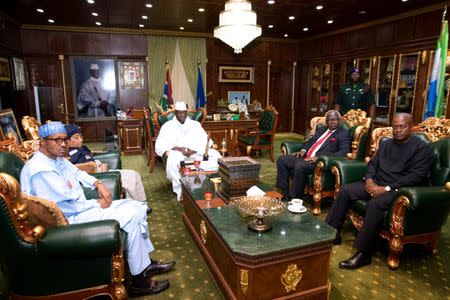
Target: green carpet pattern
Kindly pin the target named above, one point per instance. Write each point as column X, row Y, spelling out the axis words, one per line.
column 420, row 275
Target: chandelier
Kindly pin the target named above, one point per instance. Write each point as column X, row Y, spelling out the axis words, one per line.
column 237, row 25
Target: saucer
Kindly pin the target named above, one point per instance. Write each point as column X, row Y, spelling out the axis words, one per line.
column 296, row 209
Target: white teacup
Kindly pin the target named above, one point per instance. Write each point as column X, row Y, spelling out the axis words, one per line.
column 296, row 202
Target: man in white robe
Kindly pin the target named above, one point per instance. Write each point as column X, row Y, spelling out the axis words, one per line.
column 49, row 175
column 179, row 139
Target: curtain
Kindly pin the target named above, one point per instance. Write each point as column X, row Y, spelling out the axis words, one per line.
column 193, row 49
column 160, row 48
column 181, row 89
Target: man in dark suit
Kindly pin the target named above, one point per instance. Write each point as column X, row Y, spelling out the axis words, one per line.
column 332, row 140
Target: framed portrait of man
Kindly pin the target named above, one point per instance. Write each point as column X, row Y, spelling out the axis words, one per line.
column 95, row 87
column 8, row 125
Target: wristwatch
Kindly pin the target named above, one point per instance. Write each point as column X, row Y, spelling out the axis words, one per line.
column 387, row 188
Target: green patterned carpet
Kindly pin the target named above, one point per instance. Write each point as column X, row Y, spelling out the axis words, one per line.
column 420, row 276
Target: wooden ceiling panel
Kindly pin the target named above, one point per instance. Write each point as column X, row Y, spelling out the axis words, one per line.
column 171, row 14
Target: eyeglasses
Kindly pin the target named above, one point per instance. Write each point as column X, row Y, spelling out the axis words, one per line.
column 59, row 141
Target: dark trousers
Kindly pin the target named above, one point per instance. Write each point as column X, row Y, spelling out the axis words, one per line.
column 298, row 169
column 373, row 220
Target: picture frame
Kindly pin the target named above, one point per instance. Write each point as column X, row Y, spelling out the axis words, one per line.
column 131, row 75
column 8, row 124
column 94, row 87
column 19, row 74
column 236, row 74
column 5, row 74
column 236, row 97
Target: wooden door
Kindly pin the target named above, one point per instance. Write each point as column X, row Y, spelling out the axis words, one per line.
column 280, row 94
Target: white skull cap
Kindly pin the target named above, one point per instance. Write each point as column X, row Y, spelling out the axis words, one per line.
column 93, row 67
column 180, row 106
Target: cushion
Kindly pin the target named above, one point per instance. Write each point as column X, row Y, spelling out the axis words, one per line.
column 43, row 212
column 89, row 167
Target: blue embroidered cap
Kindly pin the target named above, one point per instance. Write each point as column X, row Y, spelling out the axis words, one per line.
column 51, row 128
column 354, row 70
column 72, row 129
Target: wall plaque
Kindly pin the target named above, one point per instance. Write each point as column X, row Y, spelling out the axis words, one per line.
column 236, row 74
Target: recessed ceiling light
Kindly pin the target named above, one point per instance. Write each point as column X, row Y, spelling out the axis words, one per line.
column 270, row 2
column 404, row 0
column 319, row 7
column 149, row 5
column 190, row 20
column 285, row 35
column 181, row 28
column 362, row 12
column 51, row 21
column 144, row 17
column 94, row 14
column 39, row 10
column 305, row 28
column 330, row 21
column 291, row 17
column 270, row 26
column 90, row 1
column 141, row 25
column 201, row 9
column 98, row 23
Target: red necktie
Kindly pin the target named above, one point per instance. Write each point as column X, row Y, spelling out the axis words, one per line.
column 318, row 143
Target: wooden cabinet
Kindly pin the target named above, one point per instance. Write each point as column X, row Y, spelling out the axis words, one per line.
column 131, row 135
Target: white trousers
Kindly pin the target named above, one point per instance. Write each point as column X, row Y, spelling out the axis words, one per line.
column 132, row 216
column 132, row 183
column 173, row 171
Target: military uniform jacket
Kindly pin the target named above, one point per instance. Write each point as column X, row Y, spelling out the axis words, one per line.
column 354, row 96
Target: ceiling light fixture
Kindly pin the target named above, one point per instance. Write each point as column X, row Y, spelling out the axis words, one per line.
column 39, row 10
column 404, row 0
column 362, row 12
column 319, row 7
column 190, row 20
column 285, row 35
column 270, row 26
column 141, row 25
column 144, row 17
column 181, row 28
column 201, row 9
column 51, row 21
column 149, row 5
column 291, row 18
column 94, row 14
column 330, row 21
column 237, row 25
column 98, row 23
column 90, row 1
column 305, row 28
column 271, row 2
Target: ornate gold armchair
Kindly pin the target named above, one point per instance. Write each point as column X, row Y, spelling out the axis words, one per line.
column 52, row 262
column 322, row 182
column 417, row 213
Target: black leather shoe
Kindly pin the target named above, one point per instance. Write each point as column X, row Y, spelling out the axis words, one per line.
column 154, row 287
column 149, row 210
column 356, row 261
column 158, row 267
column 338, row 238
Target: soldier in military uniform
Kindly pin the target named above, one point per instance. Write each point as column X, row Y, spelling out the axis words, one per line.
column 354, row 95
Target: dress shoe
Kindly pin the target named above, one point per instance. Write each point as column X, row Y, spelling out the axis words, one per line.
column 356, row 261
column 338, row 238
column 158, row 267
column 154, row 287
column 149, row 210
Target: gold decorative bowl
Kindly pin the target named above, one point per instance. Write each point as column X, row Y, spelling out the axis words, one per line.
column 258, row 207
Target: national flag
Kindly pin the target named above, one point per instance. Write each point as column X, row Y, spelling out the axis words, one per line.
column 200, row 99
column 167, row 97
column 435, row 100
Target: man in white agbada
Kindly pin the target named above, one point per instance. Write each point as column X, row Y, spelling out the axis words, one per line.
column 93, row 99
column 178, row 139
column 49, row 175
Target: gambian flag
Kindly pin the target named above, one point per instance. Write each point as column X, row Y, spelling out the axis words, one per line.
column 167, row 97
column 435, row 100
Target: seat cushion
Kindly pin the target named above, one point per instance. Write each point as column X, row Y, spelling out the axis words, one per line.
column 43, row 212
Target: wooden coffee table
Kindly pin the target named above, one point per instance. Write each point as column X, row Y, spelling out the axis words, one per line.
column 290, row 262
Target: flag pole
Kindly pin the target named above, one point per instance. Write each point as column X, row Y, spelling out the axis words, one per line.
column 444, row 13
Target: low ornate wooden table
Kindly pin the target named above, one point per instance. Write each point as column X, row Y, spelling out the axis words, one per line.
column 291, row 261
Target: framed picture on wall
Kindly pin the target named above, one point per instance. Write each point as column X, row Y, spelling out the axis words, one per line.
column 236, row 97
column 236, row 74
column 8, row 124
column 4, row 70
column 95, row 87
column 19, row 74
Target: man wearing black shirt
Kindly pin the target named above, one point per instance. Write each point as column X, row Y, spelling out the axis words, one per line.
column 399, row 162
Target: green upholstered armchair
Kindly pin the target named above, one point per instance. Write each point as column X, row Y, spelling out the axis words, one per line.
column 322, row 181
column 261, row 138
column 52, row 263
column 417, row 213
column 160, row 118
